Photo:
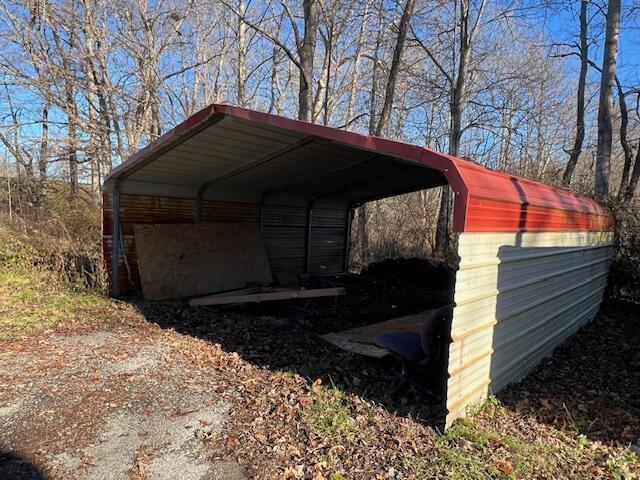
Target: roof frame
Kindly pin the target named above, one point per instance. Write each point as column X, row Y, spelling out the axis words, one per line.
column 478, row 192
column 289, row 186
column 245, row 168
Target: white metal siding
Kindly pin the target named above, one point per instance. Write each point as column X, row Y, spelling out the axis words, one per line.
column 518, row 295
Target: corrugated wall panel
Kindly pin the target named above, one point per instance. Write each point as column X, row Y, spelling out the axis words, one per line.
column 284, row 226
column 518, row 295
column 149, row 209
column 284, row 230
column 328, row 237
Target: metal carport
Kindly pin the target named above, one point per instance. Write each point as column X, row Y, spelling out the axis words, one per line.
column 533, row 258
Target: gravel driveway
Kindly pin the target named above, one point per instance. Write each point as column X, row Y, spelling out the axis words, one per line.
column 108, row 404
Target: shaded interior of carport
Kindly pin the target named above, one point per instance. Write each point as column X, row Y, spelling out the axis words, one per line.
column 300, row 182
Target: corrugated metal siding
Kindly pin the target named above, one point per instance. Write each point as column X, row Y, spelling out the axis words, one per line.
column 518, row 295
column 147, row 209
column 284, row 230
column 328, row 234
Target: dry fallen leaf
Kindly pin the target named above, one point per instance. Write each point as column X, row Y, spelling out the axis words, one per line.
column 232, row 442
column 504, row 467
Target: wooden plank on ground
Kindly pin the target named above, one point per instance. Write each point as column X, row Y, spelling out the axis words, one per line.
column 410, row 323
column 360, row 339
column 344, row 341
column 238, row 291
column 277, row 294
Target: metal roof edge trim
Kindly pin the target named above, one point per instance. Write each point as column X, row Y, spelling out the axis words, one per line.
column 447, row 165
column 176, row 135
column 463, row 176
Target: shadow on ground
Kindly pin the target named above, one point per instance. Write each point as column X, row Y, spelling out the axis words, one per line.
column 589, row 385
column 285, row 336
column 15, row 467
column 285, row 339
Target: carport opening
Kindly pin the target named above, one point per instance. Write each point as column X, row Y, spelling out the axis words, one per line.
column 254, row 219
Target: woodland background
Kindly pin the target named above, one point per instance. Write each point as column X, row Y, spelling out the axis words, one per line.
column 548, row 90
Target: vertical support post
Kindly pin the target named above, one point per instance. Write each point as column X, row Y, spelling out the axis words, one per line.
column 261, row 206
column 307, row 260
column 347, row 238
column 116, row 234
column 198, row 212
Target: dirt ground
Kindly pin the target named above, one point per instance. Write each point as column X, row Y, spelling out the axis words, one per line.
column 165, row 391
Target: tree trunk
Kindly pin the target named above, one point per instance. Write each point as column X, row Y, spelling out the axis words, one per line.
column 355, row 77
column 72, row 135
column 306, row 53
column 374, row 71
column 385, row 115
column 242, row 53
column 582, row 80
column 44, row 144
column 325, row 118
column 628, row 151
column 455, row 131
column 605, row 107
column 635, row 176
column 72, row 142
column 363, row 213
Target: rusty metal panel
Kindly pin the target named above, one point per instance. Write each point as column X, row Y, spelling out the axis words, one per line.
column 518, row 296
column 284, row 230
column 147, row 209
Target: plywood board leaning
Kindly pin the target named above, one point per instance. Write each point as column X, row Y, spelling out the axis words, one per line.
column 182, row 260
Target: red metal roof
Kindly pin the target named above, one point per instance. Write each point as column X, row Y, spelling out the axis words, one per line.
column 485, row 200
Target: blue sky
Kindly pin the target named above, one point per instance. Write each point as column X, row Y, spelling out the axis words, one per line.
column 563, row 25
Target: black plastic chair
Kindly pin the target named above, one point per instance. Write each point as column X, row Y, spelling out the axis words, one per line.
column 418, row 352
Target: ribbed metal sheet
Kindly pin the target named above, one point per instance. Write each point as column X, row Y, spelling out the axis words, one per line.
column 284, row 227
column 518, row 295
column 284, row 230
column 149, row 209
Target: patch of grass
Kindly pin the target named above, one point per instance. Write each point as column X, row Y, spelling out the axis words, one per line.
column 581, row 424
column 31, row 301
column 620, row 465
column 33, row 295
column 491, row 445
column 330, row 416
column 465, row 429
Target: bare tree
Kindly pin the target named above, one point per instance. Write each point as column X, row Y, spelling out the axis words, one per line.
column 466, row 29
column 630, row 176
column 574, row 154
column 605, row 109
column 385, row 115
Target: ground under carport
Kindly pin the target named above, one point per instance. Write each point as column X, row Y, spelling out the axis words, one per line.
column 133, row 400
